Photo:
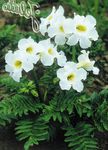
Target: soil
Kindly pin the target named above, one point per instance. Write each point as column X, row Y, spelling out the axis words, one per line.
column 12, row 144
column 9, row 142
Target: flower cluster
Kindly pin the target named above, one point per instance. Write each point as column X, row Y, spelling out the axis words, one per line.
column 29, row 53
column 72, row 74
column 69, row 30
column 63, row 30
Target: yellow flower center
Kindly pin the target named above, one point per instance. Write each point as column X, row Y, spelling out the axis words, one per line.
column 29, row 50
column 18, row 64
column 71, row 77
column 81, row 28
column 61, row 29
column 50, row 18
column 50, row 51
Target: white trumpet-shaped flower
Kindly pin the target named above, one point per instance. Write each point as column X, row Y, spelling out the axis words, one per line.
column 50, row 19
column 46, row 21
column 83, row 31
column 16, row 62
column 60, row 30
column 48, row 53
column 71, row 76
column 30, row 48
column 85, row 62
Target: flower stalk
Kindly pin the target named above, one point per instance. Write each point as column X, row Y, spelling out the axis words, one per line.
column 37, row 84
column 74, row 54
column 96, row 6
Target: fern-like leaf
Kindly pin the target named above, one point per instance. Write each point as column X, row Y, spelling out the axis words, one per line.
column 33, row 131
column 17, row 105
column 81, row 137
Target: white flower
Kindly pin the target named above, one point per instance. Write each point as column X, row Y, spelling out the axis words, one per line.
column 85, row 62
column 46, row 21
column 60, row 29
column 48, row 53
column 51, row 18
column 71, row 76
column 16, row 62
column 61, row 59
column 30, row 48
column 84, row 31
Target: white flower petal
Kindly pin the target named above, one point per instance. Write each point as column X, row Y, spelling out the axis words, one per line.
column 51, row 31
column 79, row 19
column 9, row 57
column 44, row 44
column 90, row 66
column 8, row 68
column 23, row 42
column 82, row 58
column 94, row 34
column 60, row 39
column 17, row 75
column 64, row 85
column 95, row 70
column 82, row 74
column 85, row 42
column 61, row 59
column 61, row 73
column 33, row 59
column 47, row 60
column 73, row 40
column 91, row 19
column 60, row 10
column 68, row 25
column 53, row 10
column 86, row 53
column 70, row 66
column 78, row 86
column 27, row 66
column 43, row 29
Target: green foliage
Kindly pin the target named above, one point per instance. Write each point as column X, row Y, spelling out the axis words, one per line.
column 81, row 137
column 4, row 119
column 18, row 102
column 67, row 103
column 9, row 83
column 33, row 131
column 1, row 3
column 16, row 106
column 49, row 81
column 101, row 111
column 63, row 107
column 7, row 31
column 52, row 111
column 23, row 87
column 6, row 36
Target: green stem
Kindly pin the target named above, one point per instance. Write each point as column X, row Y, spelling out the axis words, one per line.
column 73, row 53
column 37, row 84
column 96, row 6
